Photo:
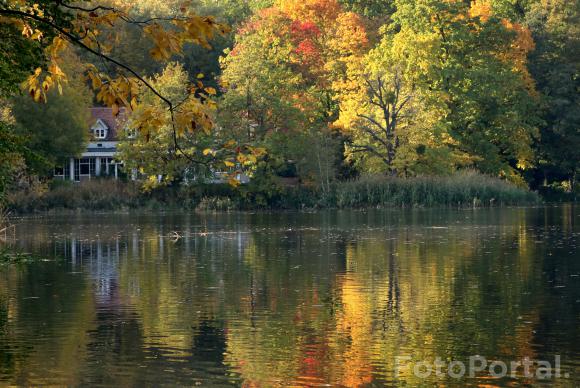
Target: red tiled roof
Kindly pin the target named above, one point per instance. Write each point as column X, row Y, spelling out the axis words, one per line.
column 112, row 122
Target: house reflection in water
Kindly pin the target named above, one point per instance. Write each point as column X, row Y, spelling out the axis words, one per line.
column 100, row 261
column 103, row 259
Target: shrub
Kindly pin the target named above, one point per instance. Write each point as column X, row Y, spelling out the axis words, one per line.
column 98, row 194
column 216, row 203
column 464, row 189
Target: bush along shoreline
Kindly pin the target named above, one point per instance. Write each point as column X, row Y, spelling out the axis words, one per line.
column 462, row 190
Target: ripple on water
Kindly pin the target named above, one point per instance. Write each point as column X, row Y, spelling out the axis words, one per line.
column 322, row 299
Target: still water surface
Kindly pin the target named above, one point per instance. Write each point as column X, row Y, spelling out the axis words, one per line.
column 261, row 300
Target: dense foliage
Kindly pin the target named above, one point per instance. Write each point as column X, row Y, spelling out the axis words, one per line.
column 299, row 94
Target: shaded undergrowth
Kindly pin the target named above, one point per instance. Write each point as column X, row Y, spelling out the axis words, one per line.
column 465, row 189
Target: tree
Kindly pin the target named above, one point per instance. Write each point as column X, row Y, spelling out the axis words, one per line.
column 370, row 8
column 471, row 85
column 280, row 77
column 56, row 25
column 555, row 66
column 390, row 126
column 149, row 152
column 514, row 10
column 19, row 57
column 57, row 129
column 12, row 149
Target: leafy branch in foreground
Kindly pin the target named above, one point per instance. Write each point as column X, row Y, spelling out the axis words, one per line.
column 56, row 26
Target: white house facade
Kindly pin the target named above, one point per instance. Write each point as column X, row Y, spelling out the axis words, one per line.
column 98, row 159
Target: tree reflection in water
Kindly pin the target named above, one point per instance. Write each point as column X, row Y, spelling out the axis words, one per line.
column 292, row 299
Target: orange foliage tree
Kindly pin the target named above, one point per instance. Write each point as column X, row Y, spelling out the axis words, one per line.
column 313, row 41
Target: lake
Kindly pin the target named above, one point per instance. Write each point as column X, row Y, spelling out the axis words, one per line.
column 341, row 298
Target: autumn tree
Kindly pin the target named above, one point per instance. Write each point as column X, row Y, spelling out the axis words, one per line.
column 92, row 28
column 13, row 153
column 471, row 86
column 149, row 152
column 387, row 118
column 371, row 8
column 282, row 73
column 57, row 129
column 515, row 11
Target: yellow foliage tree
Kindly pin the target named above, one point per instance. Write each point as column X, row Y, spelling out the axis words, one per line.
column 58, row 26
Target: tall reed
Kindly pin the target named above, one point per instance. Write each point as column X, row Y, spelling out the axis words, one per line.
column 460, row 190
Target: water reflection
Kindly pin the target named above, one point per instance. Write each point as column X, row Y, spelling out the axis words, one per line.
column 293, row 299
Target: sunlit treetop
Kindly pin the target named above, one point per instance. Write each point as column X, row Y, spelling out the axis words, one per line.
column 319, row 34
column 521, row 45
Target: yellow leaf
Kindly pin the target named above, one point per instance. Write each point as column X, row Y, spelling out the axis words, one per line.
column 229, row 164
column 200, row 76
column 36, row 94
column 207, row 151
column 210, row 90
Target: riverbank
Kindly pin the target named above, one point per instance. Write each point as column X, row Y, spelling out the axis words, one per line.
column 467, row 189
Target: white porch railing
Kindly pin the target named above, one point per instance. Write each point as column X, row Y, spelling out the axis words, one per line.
column 6, row 232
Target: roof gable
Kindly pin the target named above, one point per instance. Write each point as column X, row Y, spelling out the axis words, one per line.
column 99, row 124
column 104, row 116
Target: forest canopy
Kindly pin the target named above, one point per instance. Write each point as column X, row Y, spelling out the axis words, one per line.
column 392, row 87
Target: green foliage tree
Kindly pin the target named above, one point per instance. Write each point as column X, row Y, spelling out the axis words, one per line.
column 58, row 128
column 12, row 150
column 555, row 65
column 151, row 153
column 469, row 69
column 18, row 58
column 371, row 8
column 514, row 10
column 390, row 127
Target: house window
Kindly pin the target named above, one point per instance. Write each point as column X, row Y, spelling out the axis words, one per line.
column 104, row 166
column 100, row 129
column 62, row 172
column 100, row 133
column 84, row 167
column 131, row 133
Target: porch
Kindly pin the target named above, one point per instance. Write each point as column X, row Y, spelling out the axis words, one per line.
column 86, row 168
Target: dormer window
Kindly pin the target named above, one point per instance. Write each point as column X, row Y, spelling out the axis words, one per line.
column 100, row 130
column 131, row 133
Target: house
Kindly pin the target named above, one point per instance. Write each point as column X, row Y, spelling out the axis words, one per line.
column 98, row 159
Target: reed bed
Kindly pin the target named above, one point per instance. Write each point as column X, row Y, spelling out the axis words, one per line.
column 464, row 189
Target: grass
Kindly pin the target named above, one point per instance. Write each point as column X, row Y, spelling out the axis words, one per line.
column 216, row 204
column 96, row 195
column 9, row 256
column 465, row 189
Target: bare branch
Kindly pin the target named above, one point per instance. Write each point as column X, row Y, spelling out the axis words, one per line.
column 77, row 8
